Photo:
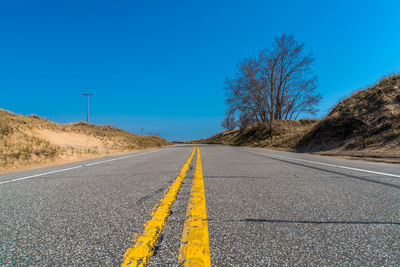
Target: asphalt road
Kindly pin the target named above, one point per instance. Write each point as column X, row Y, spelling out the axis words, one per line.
column 264, row 208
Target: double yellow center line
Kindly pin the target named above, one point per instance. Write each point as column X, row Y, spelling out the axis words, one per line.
column 194, row 249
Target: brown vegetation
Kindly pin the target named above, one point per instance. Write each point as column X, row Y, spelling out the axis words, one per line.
column 33, row 141
column 365, row 124
column 285, row 135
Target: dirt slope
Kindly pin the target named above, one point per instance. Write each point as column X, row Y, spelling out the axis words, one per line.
column 365, row 124
column 31, row 141
column 285, row 135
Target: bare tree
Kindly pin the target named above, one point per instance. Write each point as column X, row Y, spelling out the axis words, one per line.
column 278, row 84
column 229, row 122
column 245, row 119
column 289, row 79
column 245, row 91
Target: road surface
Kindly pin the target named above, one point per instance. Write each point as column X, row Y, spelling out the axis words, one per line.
column 222, row 206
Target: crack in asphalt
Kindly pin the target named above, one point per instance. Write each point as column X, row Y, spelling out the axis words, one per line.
column 152, row 194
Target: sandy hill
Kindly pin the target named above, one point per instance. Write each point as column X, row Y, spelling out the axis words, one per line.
column 365, row 124
column 29, row 141
column 285, row 135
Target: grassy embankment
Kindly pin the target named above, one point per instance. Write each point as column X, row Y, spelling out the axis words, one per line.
column 31, row 141
column 285, row 135
column 366, row 124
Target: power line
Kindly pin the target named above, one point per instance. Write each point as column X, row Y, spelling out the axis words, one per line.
column 87, row 106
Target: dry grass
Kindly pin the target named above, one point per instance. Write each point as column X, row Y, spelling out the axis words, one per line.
column 285, row 135
column 365, row 124
column 31, row 140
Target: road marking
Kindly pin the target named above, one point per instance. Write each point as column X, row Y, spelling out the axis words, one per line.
column 140, row 253
column 77, row 167
column 195, row 248
column 330, row 165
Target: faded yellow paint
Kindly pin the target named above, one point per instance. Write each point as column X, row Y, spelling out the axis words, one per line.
column 195, row 248
column 140, row 253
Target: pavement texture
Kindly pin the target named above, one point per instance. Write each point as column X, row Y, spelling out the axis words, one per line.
column 264, row 208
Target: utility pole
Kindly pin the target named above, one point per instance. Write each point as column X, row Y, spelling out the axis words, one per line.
column 87, row 106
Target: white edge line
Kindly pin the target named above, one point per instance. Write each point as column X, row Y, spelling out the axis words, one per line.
column 333, row 165
column 77, row 167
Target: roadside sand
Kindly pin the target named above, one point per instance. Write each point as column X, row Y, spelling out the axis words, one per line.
column 61, row 160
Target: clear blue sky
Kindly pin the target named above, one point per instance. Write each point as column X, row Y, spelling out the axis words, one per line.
column 160, row 65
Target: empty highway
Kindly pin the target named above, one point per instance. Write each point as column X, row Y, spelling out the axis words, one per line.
column 203, row 205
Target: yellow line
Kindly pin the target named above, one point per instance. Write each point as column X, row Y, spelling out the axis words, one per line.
column 140, row 253
column 195, row 248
